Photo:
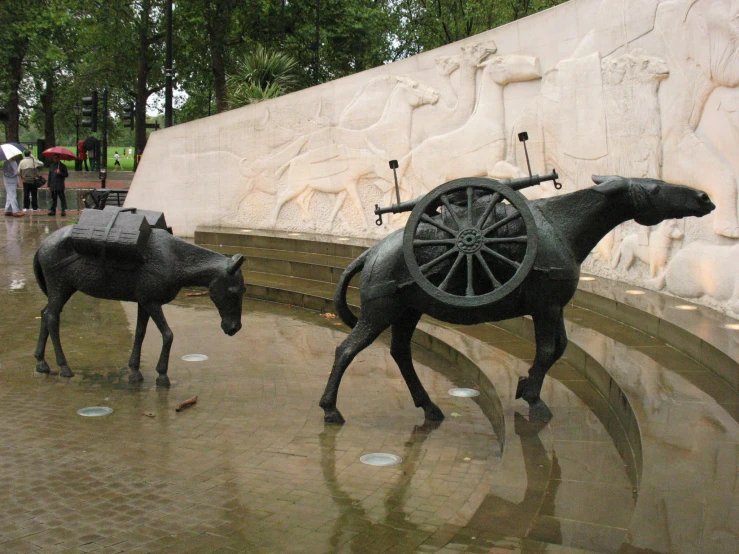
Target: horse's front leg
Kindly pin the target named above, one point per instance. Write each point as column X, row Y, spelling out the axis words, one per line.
column 155, row 311
column 551, row 341
column 40, row 354
column 51, row 319
column 134, row 363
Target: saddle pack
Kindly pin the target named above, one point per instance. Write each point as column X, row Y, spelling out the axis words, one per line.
column 121, row 233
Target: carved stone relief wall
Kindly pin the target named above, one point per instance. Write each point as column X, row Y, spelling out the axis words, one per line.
column 641, row 88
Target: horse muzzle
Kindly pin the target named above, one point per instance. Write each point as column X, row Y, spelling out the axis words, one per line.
column 231, row 328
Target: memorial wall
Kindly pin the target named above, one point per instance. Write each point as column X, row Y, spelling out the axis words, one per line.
column 639, row 88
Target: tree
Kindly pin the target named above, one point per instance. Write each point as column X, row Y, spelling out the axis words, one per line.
column 260, row 75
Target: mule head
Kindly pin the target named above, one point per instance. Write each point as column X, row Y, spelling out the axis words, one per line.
column 227, row 292
column 651, row 201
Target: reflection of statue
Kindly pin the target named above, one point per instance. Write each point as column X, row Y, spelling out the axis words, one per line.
column 168, row 265
column 352, row 515
column 498, row 518
column 569, row 226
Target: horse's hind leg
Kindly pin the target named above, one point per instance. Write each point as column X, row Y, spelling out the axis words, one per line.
column 40, row 354
column 155, row 311
column 551, row 341
column 134, row 363
column 51, row 317
column 360, row 338
column 400, row 349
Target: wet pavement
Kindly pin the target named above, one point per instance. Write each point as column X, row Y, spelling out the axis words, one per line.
column 252, row 467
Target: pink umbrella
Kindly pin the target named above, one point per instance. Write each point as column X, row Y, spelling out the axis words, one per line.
column 63, row 153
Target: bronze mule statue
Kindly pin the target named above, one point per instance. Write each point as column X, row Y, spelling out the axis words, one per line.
column 169, row 264
column 568, row 227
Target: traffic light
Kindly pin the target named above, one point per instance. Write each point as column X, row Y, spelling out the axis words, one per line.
column 128, row 114
column 90, row 110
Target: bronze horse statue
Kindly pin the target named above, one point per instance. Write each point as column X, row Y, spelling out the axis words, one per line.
column 170, row 264
column 568, row 227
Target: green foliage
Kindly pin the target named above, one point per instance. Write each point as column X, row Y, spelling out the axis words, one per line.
column 260, row 75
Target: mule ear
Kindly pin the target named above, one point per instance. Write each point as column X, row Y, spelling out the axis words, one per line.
column 235, row 263
column 609, row 184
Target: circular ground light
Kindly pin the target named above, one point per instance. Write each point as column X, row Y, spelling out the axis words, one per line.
column 380, row 459
column 464, row 393
column 95, row 411
column 194, row 357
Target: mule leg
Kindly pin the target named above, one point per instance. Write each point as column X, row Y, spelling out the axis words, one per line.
column 134, row 363
column 57, row 300
column 400, row 349
column 155, row 311
column 551, row 341
column 364, row 334
column 40, row 354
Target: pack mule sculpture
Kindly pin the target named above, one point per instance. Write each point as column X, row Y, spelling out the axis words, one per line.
column 169, row 264
column 568, row 227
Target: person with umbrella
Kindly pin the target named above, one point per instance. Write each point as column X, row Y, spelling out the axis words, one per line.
column 57, row 174
column 10, row 153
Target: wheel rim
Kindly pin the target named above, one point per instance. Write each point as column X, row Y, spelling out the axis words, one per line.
column 471, row 235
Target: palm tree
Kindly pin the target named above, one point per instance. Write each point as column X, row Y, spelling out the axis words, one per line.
column 260, row 75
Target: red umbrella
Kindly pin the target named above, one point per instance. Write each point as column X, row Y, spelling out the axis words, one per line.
column 63, row 153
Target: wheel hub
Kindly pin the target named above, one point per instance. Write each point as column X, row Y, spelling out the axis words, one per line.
column 469, row 241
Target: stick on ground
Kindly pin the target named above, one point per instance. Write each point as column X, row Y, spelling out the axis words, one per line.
column 186, row 404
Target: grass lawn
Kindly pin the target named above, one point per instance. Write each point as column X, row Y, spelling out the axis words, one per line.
column 126, row 162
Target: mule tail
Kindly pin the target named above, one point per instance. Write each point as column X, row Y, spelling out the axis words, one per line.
column 38, row 272
column 342, row 308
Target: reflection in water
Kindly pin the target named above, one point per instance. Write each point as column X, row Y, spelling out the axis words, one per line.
column 352, row 516
column 497, row 518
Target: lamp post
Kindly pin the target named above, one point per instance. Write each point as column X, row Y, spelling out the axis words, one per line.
column 77, row 111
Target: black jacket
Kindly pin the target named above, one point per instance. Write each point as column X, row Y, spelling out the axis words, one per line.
column 56, row 182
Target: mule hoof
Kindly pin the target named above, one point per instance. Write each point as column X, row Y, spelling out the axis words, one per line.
column 162, row 381
column 539, row 410
column 42, row 367
column 65, row 371
column 135, row 376
column 521, row 386
column 433, row 413
column 333, row 416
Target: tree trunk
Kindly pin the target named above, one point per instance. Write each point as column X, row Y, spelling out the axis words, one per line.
column 15, row 74
column 47, row 106
column 215, row 30
column 142, row 74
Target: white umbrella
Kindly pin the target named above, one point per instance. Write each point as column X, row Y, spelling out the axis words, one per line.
column 10, row 150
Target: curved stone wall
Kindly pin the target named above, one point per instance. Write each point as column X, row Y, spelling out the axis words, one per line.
column 641, row 88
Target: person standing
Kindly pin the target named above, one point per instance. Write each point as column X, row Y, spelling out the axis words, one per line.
column 57, row 174
column 28, row 170
column 82, row 154
column 117, row 162
column 10, row 178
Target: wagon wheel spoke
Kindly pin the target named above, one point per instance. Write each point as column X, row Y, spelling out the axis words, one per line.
column 501, row 257
column 493, row 201
column 487, row 269
column 499, row 240
column 499, row 224
column 434, row 242
column 426, row 219
column 445, row 200
column 470, row 202
column 448, row 277
column 470, row 290
column 427, row 266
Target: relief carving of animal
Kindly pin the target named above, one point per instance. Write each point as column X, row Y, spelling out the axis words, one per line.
column 655, row 254
column 569, row 226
